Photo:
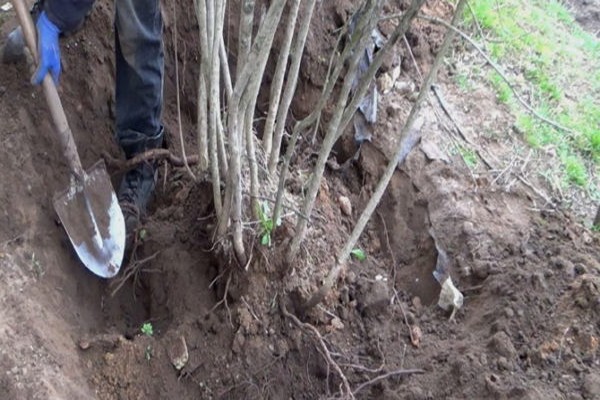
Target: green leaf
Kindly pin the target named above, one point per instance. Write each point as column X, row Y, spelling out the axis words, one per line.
column 147, row 329
column 359, row 254
column 265, row 240
column 142, row 234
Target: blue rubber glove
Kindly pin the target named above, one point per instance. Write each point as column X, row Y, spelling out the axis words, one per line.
column 48, row 49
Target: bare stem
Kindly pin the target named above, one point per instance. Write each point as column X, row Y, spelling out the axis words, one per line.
column 359, row 40
column 187, row 167
column 400, row 153
column 277, row 84
column 248, row 74
column 290, row 86
column 496, row 67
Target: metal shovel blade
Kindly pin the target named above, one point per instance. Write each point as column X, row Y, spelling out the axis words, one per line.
column 90, row 213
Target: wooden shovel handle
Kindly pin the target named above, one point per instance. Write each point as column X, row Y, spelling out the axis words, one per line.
column 63, row 131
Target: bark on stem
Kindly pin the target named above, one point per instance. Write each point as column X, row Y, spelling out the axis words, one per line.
column 292, row 80
column 233, row 192
column 277, row 84
column 215, row 106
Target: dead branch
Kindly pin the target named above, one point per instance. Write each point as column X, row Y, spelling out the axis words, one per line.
column 497, row 68
column 120, row 166
column 133, row 269
column 401, row 151
column 307, row 328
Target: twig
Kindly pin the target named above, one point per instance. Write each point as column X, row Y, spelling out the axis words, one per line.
column 387, row 241
column 12, row 240
column 187, row 167
column 408, row 137
column 150, row 155
column 224, row 300
column 290, row 84
column 388, row 375
column 529, row 108
column 306, row 327
column 412, row 58
column 476, row 21
column 132, row 269
column 410, row 331
column 347, row 105
column 292, row 209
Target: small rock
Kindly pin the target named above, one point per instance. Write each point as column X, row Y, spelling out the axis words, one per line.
column 374, row 298
column 337, row 324
column 502, row 345
column 109, row 357
column 580, row 269
column 417, row 304
column 178, row 353
column 405, row 87
column 345, row 205
column 84, row 344
column 238, row 342
column 591, row 386
column 504, row 364
column 416, row 335
column 509, row 312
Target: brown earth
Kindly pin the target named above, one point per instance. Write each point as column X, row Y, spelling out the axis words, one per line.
column 587, row 14
column 529, row 327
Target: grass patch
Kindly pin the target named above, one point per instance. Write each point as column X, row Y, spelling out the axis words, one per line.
column 556, row 66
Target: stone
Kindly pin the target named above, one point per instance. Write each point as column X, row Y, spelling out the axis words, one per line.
column 178, row 352
column 502, row 345
column 345, row 205
column 591, row 386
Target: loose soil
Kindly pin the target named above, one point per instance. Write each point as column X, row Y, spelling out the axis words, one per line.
column 529, row 327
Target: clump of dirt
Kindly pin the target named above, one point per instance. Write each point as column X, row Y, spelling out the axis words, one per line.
column 587, row 14
column 528, row 327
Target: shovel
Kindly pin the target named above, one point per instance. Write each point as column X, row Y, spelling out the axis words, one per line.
column 88, row 208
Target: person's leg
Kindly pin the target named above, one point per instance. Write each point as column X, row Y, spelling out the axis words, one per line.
column 139, row 90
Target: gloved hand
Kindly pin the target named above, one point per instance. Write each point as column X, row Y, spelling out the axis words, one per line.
column 48, row 49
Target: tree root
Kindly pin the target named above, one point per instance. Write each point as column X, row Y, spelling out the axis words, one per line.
column 120, row 166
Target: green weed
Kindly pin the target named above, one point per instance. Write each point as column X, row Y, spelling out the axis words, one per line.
column 147, row 329
column 560, row 62
column 359, row 254
column 266, row 224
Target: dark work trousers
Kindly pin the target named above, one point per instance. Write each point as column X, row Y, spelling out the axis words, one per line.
column 140, row 72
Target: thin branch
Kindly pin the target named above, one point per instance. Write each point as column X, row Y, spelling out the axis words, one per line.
column 405, row 143
column 187, row 167
column 308, row 328
column 292, row 80
column 120, row 166
column 358, row 42
column 278, row 77
column 203, row 74
column 495, row 66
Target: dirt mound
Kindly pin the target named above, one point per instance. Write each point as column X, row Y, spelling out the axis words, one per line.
column 529, row 327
